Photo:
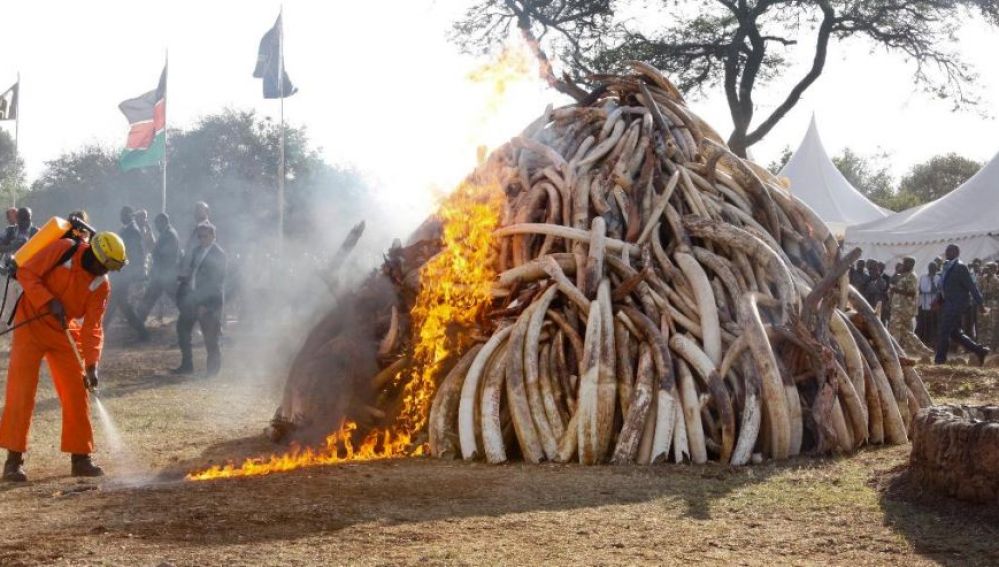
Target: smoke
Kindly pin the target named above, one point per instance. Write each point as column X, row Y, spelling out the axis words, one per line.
column 279, row 289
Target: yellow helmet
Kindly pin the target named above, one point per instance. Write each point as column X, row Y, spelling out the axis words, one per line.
column 109, row 249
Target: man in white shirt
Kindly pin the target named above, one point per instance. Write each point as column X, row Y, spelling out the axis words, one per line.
column 926, row 319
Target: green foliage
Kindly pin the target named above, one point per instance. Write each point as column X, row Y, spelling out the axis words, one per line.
column 925, row 182
column 937, row 176
column 869, row 175
column 228, row 160
column 11, row 169
column 778, row 164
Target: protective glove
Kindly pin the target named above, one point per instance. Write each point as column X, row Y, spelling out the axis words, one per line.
column 91, row 378
column 58, row 311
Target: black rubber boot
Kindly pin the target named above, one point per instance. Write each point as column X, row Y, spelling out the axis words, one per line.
column 84, row 466
column 982, row 354
column 13, row 469
column 185, row 368
column 214, row 365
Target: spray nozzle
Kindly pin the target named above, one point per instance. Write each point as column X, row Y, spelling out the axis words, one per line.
column 79, row 224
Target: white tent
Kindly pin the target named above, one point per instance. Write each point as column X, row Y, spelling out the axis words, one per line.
column 816, row 181
column 967, row 216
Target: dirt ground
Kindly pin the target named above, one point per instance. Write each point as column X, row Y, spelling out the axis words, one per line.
column 854, row 510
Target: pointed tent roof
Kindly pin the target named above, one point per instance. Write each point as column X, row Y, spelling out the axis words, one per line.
column 816, row 181
column 969, row 213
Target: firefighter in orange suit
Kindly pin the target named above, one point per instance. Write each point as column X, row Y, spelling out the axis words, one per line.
column 65, row 287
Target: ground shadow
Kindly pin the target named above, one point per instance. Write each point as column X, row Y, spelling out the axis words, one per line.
column 324, row 499
column 943, row 529
column 137, row 366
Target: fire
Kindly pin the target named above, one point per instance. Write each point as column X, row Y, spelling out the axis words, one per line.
column 511, row 67
column 456, row 289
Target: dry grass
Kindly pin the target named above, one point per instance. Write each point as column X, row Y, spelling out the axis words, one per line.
column 852, row 510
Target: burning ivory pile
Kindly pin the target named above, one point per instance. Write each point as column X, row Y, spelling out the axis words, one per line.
column 656, row 298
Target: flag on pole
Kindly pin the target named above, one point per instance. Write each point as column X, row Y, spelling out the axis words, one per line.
column 270, row 64
column 8, row 103
column 146, row 114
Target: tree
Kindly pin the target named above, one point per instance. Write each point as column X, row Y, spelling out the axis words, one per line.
column 228, row 160
column 869, row 175
column 739, row 45
column 89, row 179
column 11, row 167
column 936, row 177
column 778, row 164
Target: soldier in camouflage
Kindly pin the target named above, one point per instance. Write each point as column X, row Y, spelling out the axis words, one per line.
column 988, row 284
column 904, row 299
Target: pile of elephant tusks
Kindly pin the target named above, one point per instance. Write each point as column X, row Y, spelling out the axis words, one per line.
column 659, row 298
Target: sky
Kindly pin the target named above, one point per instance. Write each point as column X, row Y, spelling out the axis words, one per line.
column 384, row 91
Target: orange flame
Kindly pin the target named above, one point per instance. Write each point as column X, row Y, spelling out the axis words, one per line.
column 456, row 286
column 512, row 66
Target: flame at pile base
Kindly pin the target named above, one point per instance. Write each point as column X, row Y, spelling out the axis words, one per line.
column 457, row 283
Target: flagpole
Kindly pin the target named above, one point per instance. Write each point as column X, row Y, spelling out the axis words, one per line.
column 281, row 151
column 166, row 70
column 17, row 132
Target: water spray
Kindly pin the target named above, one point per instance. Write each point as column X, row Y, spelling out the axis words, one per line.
column 115, row 442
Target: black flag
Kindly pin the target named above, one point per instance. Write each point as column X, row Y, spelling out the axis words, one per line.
column 8, row 103
column 269, row 64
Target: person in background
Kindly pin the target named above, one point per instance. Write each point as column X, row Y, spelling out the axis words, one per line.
column 201, row 297
column 874, row 287
column 970, row 323
column 202, row 214
column 857, row 276
column 885, row 293
column 15, row 236
column 958, row 291
column 163, row 271
column 132, row 274
column 148, row 238
column 988, row 283
column 926, row 318
column 904, row 296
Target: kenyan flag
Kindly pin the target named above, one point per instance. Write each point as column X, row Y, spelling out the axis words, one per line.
column 146, row 114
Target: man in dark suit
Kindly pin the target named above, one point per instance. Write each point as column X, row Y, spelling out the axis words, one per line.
column 957, row 289
column 133, row 274
column 858, row 277
column 163, row 273
column 201, row 297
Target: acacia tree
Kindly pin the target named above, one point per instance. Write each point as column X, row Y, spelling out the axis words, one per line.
column 739, row 45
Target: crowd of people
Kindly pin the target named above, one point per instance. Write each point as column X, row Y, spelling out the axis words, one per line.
column 191, row 276
column 951, row 302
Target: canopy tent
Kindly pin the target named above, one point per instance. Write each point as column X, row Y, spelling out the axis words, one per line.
column 967, row 216
column 816, row 181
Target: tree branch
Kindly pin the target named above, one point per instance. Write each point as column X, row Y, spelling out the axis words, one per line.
column 818, row 62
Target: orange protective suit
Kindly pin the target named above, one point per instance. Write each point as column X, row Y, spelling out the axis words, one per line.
column 84, row 296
